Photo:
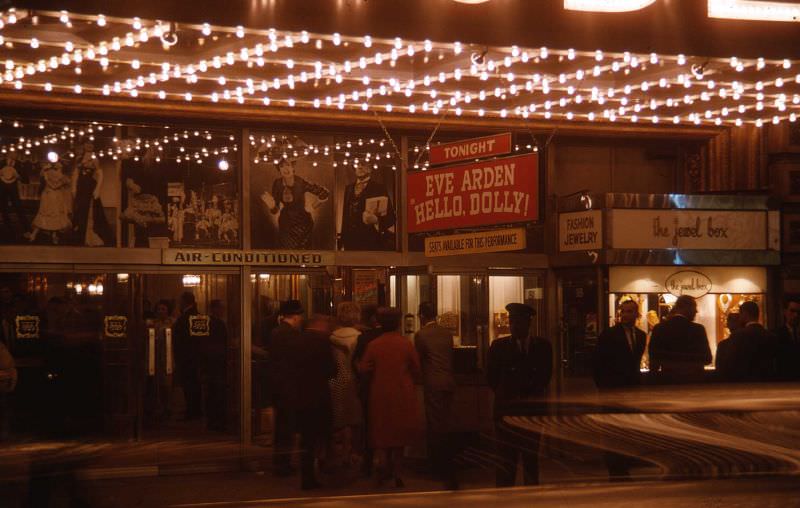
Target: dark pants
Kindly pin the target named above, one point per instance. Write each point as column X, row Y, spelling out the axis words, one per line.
column 216, row 402
column 441, row 448
column 314, row 430
column 510, row 441
column 192, row 392
column 285, row 425
column 5, row 416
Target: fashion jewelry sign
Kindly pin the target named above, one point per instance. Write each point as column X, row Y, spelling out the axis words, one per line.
column 688, row 229
column 476, row 194
column 580, row 231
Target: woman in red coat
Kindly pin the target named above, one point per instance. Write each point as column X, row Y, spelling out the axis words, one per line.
column 394, row 419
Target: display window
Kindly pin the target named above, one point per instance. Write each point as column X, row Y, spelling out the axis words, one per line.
column 505, row 289
column 719, row 291
column 107, row 184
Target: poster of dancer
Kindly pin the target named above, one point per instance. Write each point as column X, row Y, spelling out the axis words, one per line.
column 179, row 188
column 58, row 186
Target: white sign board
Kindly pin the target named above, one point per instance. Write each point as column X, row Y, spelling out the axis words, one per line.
column 580, row 231
column 659, row 279
column 688, row 229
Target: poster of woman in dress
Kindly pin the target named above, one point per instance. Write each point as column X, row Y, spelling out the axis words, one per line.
column 55, row 205
column 291, row 178
column 56, row 188
column 90, row 226
column 179, row 189
column 365, row 197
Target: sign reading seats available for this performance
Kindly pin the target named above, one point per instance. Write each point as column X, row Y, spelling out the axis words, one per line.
column 494, row 240
column 476, row 148
column 497, row 191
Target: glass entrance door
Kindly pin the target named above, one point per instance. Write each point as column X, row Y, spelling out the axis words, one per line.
column 187, row 339
column 579, row 312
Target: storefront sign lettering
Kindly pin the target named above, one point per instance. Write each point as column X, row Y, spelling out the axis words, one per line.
column 580, row 230
column 477, row 194
column 688, row 229
column 488, row 146
column 247, row 257
column 688, row 282
column 474, row 243
column 115, row 327
column 27, row 327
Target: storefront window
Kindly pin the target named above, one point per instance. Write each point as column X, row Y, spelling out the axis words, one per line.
column 729, row 288
column 102, row 184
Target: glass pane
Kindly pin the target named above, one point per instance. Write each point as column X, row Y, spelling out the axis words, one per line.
column 505, row 289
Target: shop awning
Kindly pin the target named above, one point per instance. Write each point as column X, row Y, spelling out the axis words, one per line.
column 60, row 54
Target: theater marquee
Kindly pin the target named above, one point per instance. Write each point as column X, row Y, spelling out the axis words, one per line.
column 245, row 257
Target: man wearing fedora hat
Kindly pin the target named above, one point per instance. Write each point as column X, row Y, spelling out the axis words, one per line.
column 519, row 370
column 282, row 380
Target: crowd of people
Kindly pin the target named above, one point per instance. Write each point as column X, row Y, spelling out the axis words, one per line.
column 347, row 386
column 679, row 349
column 679, row 353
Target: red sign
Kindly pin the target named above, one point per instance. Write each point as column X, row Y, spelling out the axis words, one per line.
column 476, row 194
column 499, row 144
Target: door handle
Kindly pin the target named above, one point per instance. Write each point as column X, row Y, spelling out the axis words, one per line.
column 151, row 351
column 168, row 349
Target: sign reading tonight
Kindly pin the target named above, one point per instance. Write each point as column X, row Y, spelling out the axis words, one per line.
column 498, row 191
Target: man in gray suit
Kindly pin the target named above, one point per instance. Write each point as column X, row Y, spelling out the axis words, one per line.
column 434, row 344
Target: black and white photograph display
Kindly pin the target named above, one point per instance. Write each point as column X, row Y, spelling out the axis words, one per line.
column 365, row 182
column 291, row 179
column 322, row 192
column 179, row 188
column 59, row 184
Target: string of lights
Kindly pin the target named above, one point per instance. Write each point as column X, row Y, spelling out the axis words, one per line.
column 139, row 58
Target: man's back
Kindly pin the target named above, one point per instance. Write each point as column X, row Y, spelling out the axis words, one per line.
column 281, row 372
column 312, row 359
column 679, row 350
column 434, row 344
column 788, row 353
column 748, row 355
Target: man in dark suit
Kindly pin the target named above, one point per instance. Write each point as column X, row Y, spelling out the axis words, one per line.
column 215, row 368
column 749, row 353
column 283, row 382
column 434, row 344
column 679, row 347
column 187, row 357
column 788, row 342
column 617, row 360
column 519, row 368
column 364, row 228
column 312, row 358
column 619, row 350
